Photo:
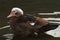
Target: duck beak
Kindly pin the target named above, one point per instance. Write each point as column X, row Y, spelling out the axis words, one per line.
column 11, row 15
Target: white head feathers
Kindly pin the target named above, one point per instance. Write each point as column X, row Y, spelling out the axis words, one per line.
column 16, row 9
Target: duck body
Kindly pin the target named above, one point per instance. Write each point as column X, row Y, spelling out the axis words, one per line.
column 25, row 24
column 22, row 24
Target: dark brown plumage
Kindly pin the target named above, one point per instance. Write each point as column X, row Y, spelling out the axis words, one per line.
column 22, row 23
column 25, row 25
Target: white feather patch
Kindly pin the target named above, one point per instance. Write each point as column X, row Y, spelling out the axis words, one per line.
column 32, row 24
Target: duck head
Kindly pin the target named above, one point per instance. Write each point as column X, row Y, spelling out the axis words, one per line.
column 15, row 12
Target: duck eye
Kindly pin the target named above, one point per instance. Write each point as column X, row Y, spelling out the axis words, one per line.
column 16, row 13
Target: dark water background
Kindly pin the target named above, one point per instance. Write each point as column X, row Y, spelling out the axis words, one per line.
column 31, row 7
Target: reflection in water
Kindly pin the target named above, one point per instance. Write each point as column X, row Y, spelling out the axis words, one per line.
column 41, row 36
column 45, row 37
column 8, row 36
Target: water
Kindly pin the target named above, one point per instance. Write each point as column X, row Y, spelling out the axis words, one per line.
column 8, row 34
column 29, row 6
column 55, row 32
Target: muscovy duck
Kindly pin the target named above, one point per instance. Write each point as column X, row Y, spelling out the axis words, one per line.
column 26, row 24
